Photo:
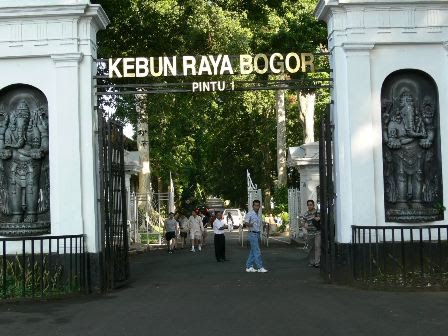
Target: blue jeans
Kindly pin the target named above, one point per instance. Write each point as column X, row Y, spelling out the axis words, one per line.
column 254, row 253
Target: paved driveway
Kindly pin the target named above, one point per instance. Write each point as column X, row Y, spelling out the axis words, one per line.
column 191, row 294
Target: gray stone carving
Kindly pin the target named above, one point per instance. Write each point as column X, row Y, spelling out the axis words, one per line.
column 411, row 148
column 24, row 166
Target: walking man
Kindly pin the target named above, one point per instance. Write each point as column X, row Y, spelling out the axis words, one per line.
column 219, row 239
column 171, row 227
column 196, row 229
column 253, row 221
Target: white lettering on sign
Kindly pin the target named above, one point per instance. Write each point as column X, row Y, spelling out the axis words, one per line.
column 210, row 65
column 212, row 86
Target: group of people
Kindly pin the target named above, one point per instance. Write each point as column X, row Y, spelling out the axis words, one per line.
column 194, row 226
column 181, row 226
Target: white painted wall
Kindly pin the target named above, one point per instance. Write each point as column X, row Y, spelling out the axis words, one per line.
column 369, row 40
column 50, row 45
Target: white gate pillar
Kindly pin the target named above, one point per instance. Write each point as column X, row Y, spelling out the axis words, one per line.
column 368, row 41
column 50, row 45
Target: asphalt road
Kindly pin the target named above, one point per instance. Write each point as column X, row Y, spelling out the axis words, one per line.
column 189, row 293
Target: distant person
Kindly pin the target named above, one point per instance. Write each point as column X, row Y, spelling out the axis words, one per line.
column 183, row 225
column 253, row 222
column 229, row 218
column 219, row 238
column 311, row 222
column 270, row 224
column 196, row 229
column 171, row 226
column 205, row 221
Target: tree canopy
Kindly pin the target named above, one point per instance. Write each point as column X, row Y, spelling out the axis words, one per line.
column 209, row 140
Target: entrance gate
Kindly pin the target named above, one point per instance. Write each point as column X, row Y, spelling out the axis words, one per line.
column 111, row 81
column 327, row 199
column 113, row 202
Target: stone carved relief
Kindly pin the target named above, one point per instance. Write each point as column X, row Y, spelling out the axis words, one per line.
column 411, row 148
column 24, row 166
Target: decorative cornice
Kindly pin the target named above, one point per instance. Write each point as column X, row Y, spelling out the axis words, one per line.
column 323, row 7
column 42, row 11
column 357, row 47
column 66, row 60
column 100, row 16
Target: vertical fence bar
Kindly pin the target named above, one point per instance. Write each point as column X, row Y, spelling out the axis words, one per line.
column 363, row 252
column 430, row 251
column 4, row 260
column 65, row 259
column 403, row 254
column 370, row 253
column 49, row 263
column 421, row 251
column 411, row 250
column 41, row 267
column 384, row 251
column 71, row 264
column 32, row 268
column 77, row 278
column 393, row 247
column 83, row 264
column 377, row 253
column 57, row 247
column 23, row 268
column 440, row 247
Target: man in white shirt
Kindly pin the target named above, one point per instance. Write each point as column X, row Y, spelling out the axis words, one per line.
column 219, row 239
column 196, row 229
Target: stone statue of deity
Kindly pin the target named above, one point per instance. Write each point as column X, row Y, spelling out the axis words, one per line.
column 24, row 177
column 411, row 165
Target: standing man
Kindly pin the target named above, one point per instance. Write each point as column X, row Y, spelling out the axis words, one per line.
column 253, row 221
column 219, row 239
column 311, row 223
column 196, row 229
column 171, row 227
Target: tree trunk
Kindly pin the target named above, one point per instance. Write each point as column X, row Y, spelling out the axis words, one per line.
column 144, row 178
column 267, row 202
column 281, row 137
column 306, row 113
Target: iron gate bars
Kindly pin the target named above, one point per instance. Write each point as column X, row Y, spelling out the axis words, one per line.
column 113, row 202
column 327, row 199
column 42, row 266
column 400, row 256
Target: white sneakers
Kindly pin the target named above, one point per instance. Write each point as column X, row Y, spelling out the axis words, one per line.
column 199, row 248
column 253, row 270
column 192, row 250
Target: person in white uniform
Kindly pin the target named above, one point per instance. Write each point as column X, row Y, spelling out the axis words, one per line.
column 196, row 230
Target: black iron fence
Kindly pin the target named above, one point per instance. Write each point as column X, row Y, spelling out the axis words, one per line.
column 38, row 267
column 401, row 256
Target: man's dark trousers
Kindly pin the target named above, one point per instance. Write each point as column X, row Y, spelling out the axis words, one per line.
column 220, row 247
